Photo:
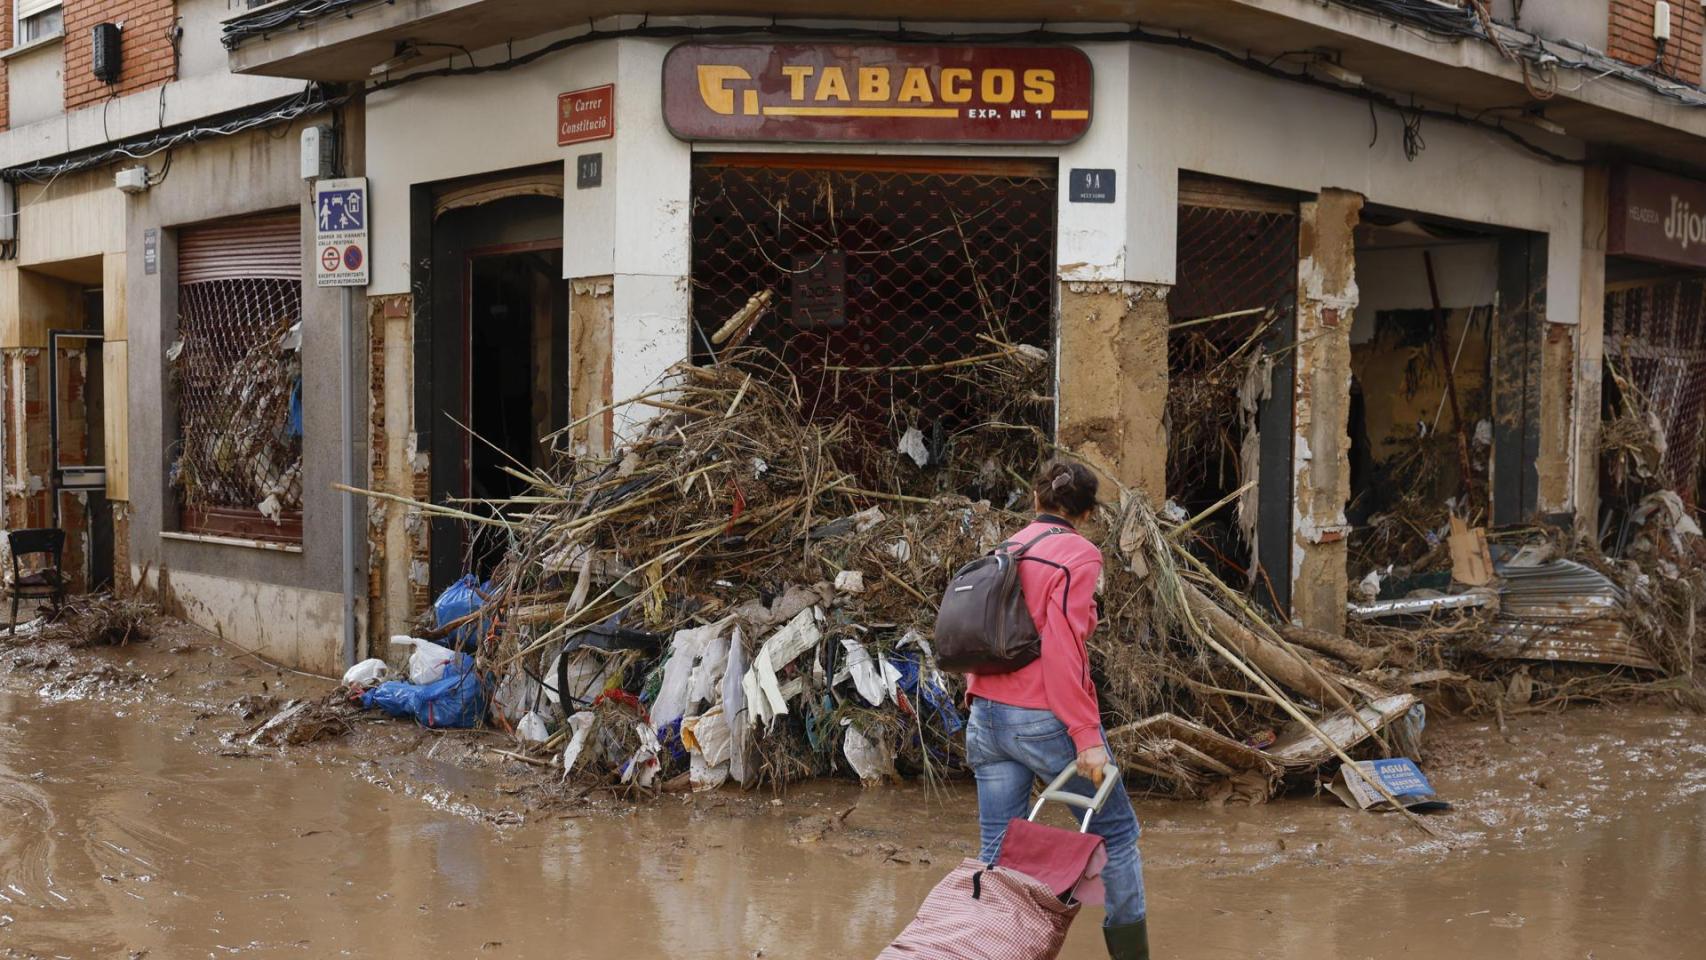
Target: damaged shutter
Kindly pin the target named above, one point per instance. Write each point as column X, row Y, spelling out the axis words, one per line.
column 256, row 247
column 237, row 369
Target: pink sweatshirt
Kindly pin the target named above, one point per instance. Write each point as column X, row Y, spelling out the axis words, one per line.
column 1059, row 680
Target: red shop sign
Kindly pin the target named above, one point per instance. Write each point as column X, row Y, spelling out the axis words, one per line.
column 588, row 114
column 1657, row 216
column 852, row 93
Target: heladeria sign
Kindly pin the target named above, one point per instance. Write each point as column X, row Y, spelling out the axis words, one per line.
column 1657, row 216
column 849, row 93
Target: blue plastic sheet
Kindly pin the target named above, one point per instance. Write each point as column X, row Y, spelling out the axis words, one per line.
column 935, row 698
column 457, row 601
column 458, row 699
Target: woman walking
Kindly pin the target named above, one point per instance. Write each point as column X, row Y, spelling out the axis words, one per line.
column 1033, row 722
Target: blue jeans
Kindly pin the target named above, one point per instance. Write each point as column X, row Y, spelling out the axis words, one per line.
column 1008, row 749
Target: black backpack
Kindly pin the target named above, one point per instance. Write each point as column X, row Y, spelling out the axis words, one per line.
column 983, row 625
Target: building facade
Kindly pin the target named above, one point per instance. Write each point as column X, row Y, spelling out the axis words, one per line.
column 1313, row 254
column 170, row 400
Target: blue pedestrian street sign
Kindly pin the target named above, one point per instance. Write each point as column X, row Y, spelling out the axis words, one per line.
column 340, row 233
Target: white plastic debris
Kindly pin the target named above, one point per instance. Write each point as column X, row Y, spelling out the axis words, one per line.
column 901, row 550
column 759, row 467
column 427, row 663
column 912, row 445
column 687, row 649
column 707, row 740
column 850, row 581
column 642, row 767
column 581, row 725
column 871, row 760
column 1369, row 589
column 868, row 518
column 867, row 678
column 734, row 706
column 367, row 673
column 765, row 698
column 532, row 728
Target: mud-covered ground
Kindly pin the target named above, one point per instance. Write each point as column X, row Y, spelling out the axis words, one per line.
column 136, row 820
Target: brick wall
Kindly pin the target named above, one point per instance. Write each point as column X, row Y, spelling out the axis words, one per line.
column 5, row 43
column 146, row 54
column 1631, row 36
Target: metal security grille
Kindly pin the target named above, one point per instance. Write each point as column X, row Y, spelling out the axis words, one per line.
column 238, row 371
column 880, row 271
column 1237, row 274
column 1235, row 298
column 1656, row 335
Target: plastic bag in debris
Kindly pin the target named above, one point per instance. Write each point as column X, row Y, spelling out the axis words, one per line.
column 642, row 767
column 875, row 680
column 532, row 729
column 457, row 699
column 679, row 692
column 367, row 673
column 707, row 738
column 428, row 661
column 872, row 760
column 734, row 706
column 457, row 601
column 580, row 726
column 935, row 696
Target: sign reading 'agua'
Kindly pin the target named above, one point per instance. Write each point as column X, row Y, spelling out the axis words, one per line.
column 897, row 94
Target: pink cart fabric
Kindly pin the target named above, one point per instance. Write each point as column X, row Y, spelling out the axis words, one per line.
column 1065, row 861
column 1013, row 918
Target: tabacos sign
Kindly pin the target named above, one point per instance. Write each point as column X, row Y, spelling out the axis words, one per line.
column 854, row 93
column 1657, row 216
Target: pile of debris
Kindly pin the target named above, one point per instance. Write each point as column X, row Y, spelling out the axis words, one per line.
column 721, row 600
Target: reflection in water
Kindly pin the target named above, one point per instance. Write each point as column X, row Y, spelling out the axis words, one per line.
column 121, row 835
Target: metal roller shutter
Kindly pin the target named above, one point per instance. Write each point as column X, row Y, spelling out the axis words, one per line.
column 265, row 247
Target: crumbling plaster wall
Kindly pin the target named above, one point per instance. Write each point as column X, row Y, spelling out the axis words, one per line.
column 1327, row 300
column 396, row 533
column 1113, row 380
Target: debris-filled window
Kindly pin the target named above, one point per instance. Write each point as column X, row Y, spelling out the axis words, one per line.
column 1655, row 349
column 912, row 297
column 1228, row 358
column 237, row 367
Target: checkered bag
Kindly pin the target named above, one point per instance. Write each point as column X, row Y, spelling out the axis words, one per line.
column 979, row 912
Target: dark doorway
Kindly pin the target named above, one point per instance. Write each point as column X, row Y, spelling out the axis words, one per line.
column 492, row 365
column 77, row 447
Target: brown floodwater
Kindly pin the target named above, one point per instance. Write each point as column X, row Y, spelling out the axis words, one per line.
column 124, row 832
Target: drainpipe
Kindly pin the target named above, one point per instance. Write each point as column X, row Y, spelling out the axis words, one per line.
column 346, row 469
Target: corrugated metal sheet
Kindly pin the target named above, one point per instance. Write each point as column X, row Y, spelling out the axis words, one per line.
column 266, row 247
column 1563, row 610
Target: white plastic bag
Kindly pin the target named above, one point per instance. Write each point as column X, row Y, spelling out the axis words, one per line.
column 427, row 663
column 532, row 729
column 581, row 724
column 872, row 760
column 367, row 673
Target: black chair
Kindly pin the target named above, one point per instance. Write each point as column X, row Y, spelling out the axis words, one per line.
column 40, row 584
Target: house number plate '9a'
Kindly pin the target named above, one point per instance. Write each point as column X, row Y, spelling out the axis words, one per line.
column 1092, row 186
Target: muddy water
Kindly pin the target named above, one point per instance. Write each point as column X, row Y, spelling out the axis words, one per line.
column 130, row 835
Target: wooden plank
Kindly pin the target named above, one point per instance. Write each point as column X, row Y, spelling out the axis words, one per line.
column 115, row 413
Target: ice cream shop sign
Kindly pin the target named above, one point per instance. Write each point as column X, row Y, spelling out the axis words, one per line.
column 851, row 93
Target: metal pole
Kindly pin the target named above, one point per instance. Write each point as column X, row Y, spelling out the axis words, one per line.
column 346, row 469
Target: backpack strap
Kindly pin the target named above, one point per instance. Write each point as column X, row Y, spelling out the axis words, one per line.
column 1020, row 555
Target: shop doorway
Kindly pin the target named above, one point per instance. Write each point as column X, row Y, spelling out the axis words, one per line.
column 887, row 279
column 1444, row 418
column 77, row 448
column 1231, row 378
column 496, row 380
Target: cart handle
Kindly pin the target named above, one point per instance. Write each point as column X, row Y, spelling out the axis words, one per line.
column 1090, row 805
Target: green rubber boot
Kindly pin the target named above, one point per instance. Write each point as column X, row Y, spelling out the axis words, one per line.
column 1129, row 941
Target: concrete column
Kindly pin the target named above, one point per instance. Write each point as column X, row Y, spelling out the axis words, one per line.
column 1113, row 379
column 1327, row 299
column 1590, row 349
